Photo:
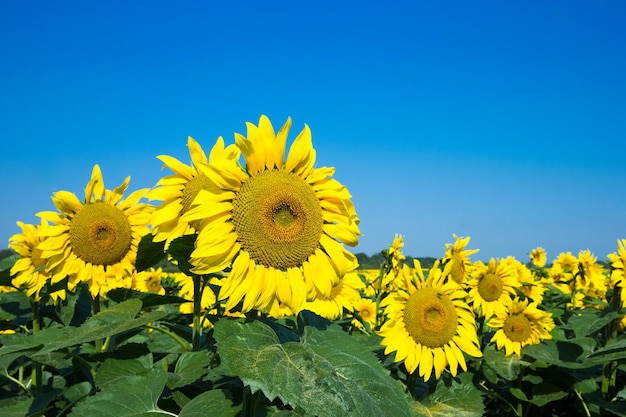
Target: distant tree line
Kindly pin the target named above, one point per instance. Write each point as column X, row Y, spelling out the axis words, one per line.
column 376, row 260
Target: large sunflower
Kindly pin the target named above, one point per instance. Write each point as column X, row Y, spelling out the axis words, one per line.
column 491, row 285
column 95, row 241
column 521, row 323
column 429, row 323
column 178, row 191
column 278, row 223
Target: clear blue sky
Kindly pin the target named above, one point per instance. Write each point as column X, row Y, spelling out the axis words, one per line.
column 503, row 121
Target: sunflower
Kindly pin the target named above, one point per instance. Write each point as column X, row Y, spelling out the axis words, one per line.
column 521, row 323
column 278, row 223
column 531, row 286
column 429, row 323
column 343, row 297
column 538, row 257
column 95, row 241
column 29, row 269
column 458, row 256
column 491, row 285
column 590, row 282
column 149, row 281
column 178, row 191
column 364, row 313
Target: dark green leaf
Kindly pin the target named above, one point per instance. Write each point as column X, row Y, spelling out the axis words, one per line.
column 328, row 373
column 210, row 403
column 149, row 253
column 133, row 396
column 508, row 367
column 15, row 406
column 589, row 321
column 459, row 399
column 189, row 368
column 147, row 299
column 180, row 250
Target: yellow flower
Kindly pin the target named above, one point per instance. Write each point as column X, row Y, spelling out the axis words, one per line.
column 429, row 324
column 591, row 281
column 365, row 312
column 178, row 191
column 520, row 324
column 458, row 256
column 491, row 285
column 149, row 281
column 95, row 241
column 531, row 286
column 29, row 269
column 538, row 257
column 343, row 297
column 278, row 223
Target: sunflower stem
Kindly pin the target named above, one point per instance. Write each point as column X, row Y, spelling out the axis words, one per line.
column 95, row 308
column 183, row 343
column 37, row 367
column 384, row 270
column 249, row 402
column 197, row 317
column 609, row 369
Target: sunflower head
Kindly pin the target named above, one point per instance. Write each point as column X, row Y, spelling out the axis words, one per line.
column 429, row 325
column 491, row 286
column 95, row 241
column 458, row 257
column 521, row 323
column 278, row 222
column 538, row 257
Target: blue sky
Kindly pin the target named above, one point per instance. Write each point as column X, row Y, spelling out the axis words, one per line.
column 502, row 121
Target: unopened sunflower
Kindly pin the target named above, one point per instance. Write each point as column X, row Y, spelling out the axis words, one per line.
column 520, row 324
column 278, row 222
column 178, row 191
column 429, row 326
column 95, row 240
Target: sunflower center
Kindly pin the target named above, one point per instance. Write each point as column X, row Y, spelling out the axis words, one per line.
column 517, row 328
column 430, row 318
column 490, row 287
column 278, row 219
column 191, row 190
column 100, row 234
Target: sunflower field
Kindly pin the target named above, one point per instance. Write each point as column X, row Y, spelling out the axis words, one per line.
column 228, row 289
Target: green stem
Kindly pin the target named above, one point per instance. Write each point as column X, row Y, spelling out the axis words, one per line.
column 183, row 343
column 95, row 309
column 609, row 369
column 38, row 368
column 249, row 402
column 197, row 318
column 384, row 270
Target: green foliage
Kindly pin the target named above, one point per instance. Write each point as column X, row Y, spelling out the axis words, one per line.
column 326, row 373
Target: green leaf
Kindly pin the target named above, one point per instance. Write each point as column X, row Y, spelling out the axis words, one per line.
column 135, row 395
column 180, row 250
column 210, row 403
column 110, row 322
column 589, row 321
column 615, row 350
column 147, row 299
column 189, row 368
column 508, row 367
column 113, row 371
column 15, row 406
column 328, row 373
column 149, row 253
column 459, row 399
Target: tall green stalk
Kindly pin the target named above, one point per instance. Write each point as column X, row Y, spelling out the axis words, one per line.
column 196, row 335
column 609, row 369
column 37, row 367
